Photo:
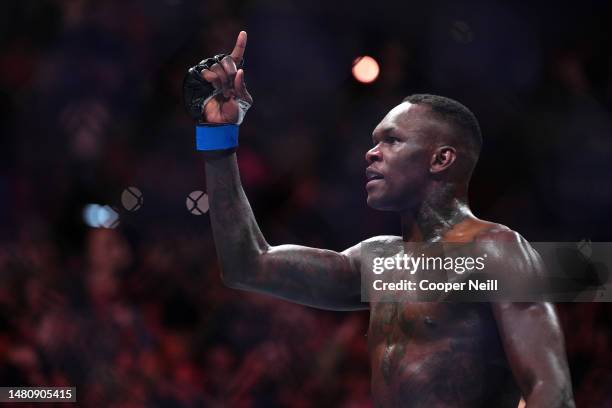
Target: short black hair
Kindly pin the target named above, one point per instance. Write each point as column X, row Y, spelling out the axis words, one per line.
column 454, row 113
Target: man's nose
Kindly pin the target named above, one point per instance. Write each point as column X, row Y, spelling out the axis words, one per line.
column 373, row 155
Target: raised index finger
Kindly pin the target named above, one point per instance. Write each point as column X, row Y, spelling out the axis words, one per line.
column 238, row 51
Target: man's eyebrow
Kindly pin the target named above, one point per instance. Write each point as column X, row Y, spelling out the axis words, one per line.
column 385, row 132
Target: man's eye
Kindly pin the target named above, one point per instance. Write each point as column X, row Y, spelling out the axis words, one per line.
column 391, row 140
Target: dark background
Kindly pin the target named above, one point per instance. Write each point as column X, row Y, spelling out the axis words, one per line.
column 90, row 103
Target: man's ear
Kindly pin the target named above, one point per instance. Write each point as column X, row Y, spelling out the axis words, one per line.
column 442, row 159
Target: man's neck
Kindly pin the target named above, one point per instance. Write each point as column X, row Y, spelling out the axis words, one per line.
column 435, row 216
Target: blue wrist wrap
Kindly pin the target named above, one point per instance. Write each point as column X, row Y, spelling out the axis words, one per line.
column 216, row 137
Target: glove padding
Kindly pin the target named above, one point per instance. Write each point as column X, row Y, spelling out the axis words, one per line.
column 197, row 91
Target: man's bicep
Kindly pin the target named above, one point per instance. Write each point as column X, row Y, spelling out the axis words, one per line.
column 315, row 277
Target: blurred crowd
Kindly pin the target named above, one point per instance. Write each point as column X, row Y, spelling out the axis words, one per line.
column 90, row 103
column 163, row 331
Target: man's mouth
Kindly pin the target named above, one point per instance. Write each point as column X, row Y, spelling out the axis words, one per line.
column 372, row 175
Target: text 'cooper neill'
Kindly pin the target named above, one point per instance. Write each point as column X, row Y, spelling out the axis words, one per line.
column 425, row 285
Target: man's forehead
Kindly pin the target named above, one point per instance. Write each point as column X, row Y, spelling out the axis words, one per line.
column 406, row 108
column 408, row 117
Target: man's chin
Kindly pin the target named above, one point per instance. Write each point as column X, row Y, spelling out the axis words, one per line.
column 378, row 204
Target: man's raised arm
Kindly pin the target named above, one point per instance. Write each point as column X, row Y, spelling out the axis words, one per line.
column 314, row 277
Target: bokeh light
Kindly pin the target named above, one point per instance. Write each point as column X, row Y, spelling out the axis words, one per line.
column 99, row 216
column 365, row 69
column 131, row 198
column 197, row 202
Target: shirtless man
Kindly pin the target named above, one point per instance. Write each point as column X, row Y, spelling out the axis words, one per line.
column 422, row 354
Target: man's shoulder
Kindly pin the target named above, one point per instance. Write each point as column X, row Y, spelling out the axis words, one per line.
column 506, row 247
column 383, row 239
column 482, row 232
column 494, row 232
column 355, row 252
